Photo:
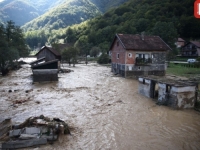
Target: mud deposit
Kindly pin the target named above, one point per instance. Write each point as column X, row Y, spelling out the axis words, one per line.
column 104, row 111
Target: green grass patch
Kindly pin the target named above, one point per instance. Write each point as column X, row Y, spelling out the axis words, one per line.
column 180, row 59
column 179, row 70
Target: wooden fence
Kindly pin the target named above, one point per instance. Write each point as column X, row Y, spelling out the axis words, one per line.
column 191, row 65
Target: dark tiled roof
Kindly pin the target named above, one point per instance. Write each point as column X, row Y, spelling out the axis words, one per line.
column 138, row 42
column 50, row 49
column 181, row 40
column 54, row 51
column 195, row 43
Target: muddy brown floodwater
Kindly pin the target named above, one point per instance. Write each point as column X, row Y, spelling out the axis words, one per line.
column 105, row 111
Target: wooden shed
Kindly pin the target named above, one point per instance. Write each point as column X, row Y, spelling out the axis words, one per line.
column 48, row 53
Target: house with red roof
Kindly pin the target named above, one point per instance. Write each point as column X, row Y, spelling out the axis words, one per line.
column 191, row 49
column 180, row 42
column 135, row 55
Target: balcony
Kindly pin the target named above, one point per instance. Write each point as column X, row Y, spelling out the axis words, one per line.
column 143, row 61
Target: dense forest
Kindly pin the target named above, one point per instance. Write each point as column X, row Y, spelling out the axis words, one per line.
column 69, row 13
column 12, row 45
column 167, row 18
column 105, row 5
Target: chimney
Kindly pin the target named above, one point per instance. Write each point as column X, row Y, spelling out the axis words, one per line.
column 142, row 35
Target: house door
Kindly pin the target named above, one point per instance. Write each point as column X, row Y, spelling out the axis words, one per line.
column 118, row 68
column 153, row 90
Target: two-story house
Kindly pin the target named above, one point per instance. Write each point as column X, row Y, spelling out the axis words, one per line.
column 135, row 55
column 191, row 49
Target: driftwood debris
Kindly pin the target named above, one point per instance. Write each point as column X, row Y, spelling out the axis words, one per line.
column 32, row 132
column 5, row 126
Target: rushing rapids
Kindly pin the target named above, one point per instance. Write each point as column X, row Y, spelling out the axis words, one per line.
column 105, row 111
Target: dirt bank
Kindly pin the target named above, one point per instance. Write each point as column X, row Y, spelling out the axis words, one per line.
column 105, row 111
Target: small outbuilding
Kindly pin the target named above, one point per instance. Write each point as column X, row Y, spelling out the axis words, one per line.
column 46, row 67
column 178, row 94
column 49, row 53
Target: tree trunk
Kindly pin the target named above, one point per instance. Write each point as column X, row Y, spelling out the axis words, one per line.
column 4, row 71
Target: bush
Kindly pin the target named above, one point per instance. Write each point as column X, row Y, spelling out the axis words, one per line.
column 103, row 59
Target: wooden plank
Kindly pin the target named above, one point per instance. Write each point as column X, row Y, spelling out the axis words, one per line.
column 5, row 126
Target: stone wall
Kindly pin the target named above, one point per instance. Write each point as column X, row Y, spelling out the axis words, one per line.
column 132, row 70
column 144, row 87
column 158, row 58
column 185, row 96
column 176, row 97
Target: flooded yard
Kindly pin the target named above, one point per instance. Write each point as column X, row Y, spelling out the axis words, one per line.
column 103, row 110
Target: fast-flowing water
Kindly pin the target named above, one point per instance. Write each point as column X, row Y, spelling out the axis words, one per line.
column 105, row 111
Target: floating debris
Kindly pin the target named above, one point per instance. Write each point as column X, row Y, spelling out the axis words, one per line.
column 32, row 132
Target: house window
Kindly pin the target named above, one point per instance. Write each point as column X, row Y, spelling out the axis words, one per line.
column 117, row 55
column 117, row 43
column 142, row 58
column 130, row 55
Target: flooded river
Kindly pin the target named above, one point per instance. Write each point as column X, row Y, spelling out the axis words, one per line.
column 104, row 111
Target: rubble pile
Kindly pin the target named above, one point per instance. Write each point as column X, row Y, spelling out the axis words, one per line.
column 32, row 132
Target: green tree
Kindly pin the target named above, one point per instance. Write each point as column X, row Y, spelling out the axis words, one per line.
column 94, row 51
column 142, row 24
column 83, row 45
column 166, row 31
column 12, row 45
column 70, row 55
column 70, row 36
column 103, row 59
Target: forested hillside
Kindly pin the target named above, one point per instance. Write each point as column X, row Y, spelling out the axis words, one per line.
column 23, row 11
column 167, row 18
column 19, row 11
column 44, row 5
column 69, row 13
column 105, row 5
